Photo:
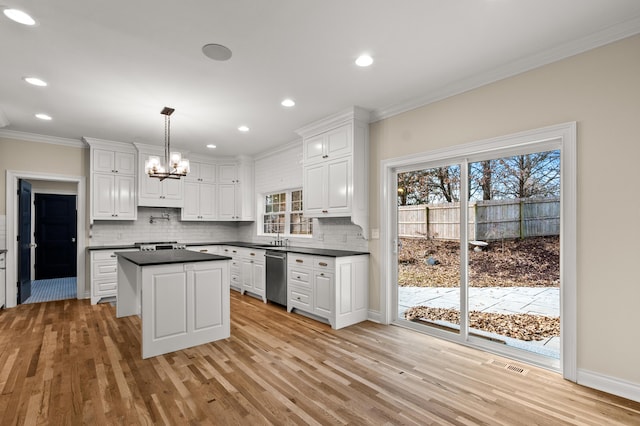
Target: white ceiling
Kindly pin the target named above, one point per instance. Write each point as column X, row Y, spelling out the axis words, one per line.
column 112, row 65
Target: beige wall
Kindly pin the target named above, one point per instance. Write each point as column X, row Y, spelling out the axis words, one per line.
column 39, row 157
column 600, row 90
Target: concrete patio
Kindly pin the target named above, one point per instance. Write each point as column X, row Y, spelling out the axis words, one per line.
column 507, row 300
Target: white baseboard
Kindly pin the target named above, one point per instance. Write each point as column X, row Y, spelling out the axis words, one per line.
column 609, row 384
column 374, row 316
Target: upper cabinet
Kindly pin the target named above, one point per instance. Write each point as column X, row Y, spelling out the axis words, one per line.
column 153, row 192
column 112, row 180
column 331, row 144
column 336, row 167
column 200, row 191
column 219, row 191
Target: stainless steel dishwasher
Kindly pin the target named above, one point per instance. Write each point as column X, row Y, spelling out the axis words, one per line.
column 276, row 271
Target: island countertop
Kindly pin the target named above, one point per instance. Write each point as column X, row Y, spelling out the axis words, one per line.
column 164, row 257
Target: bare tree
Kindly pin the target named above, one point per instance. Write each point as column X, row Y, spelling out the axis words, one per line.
column 481, row 179
column 413, row 188
column 534, row 175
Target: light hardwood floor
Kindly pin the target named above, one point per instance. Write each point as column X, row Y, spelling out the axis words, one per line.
column 68, row 362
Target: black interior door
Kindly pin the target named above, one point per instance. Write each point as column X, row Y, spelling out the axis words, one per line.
column 24, row 240
column 55, row 232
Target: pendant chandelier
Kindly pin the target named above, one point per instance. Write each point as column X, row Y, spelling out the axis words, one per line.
column 174, row 166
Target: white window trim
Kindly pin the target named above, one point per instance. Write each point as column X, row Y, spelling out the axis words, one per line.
column 561, row 136
column 260, row 204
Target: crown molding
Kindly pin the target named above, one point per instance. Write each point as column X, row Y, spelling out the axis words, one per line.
column 34, row 137
column 563, row 51
column 350, row 114
column 296, row 144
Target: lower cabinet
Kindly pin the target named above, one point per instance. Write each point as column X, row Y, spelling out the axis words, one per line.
column 253, row 272
column 103, row 270
column 234, row 266
column 181, row 304
column 335, row 289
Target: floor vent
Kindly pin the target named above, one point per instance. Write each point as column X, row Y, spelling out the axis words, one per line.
column 509, row 367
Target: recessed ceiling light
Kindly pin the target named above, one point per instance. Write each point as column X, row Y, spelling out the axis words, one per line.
column 243, row 128
column 364, row 60
column 217, row 52
column 19, row 16
column 42, row 116
column 35, row 81
column 288, row 103
column 211, row 146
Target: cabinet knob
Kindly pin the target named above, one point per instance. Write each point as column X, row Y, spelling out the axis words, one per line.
column 113, row 255
column 322, row 274
column 298, row 297
column 325, row 156
column 325, row 211
column 322, row 264
column 299, row 260
column 298, row 277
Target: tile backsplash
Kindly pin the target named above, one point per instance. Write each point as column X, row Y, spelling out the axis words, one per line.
column 335, row 233
column 120, row 232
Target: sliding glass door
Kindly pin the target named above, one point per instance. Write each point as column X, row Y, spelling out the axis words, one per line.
column 479, row 250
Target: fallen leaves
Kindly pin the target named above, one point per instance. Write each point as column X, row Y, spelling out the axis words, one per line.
column 518, row 326
column 531, row 262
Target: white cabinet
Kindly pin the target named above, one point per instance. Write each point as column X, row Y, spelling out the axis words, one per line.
column 201, row 172
column 199, row 201
column 181, row 304
column 103, row 273
column 153, row 192
column 219, row 192
column 234, row 266
column 335, row 167
column 335, row 289
column 236, row 197
column 331, row 144
column 327, row 188
column 110, row 161
column 112, row 180
column 252, row 272
column 227, row 202
column 228, row 173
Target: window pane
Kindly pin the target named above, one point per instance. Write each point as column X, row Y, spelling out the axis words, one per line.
column 300, row 225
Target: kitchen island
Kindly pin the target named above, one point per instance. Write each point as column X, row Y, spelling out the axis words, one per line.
column 182, row 297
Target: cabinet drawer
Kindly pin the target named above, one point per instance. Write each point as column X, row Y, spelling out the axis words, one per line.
column 324, row 263
column 300, row 278
column 104, row 255
column 300, row 298
column 235, row 280
column 104, row 287
column 104, row 269
column 294, row 259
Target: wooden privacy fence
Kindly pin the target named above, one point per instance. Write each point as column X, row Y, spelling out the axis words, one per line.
column 488, row 220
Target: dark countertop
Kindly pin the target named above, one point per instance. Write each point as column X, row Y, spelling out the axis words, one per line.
column 164, row 257
column 291, row 249
column 112, row 247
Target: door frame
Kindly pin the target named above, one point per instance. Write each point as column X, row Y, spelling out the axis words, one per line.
column 35, row 191
column 12, row 226
column 565, row 135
